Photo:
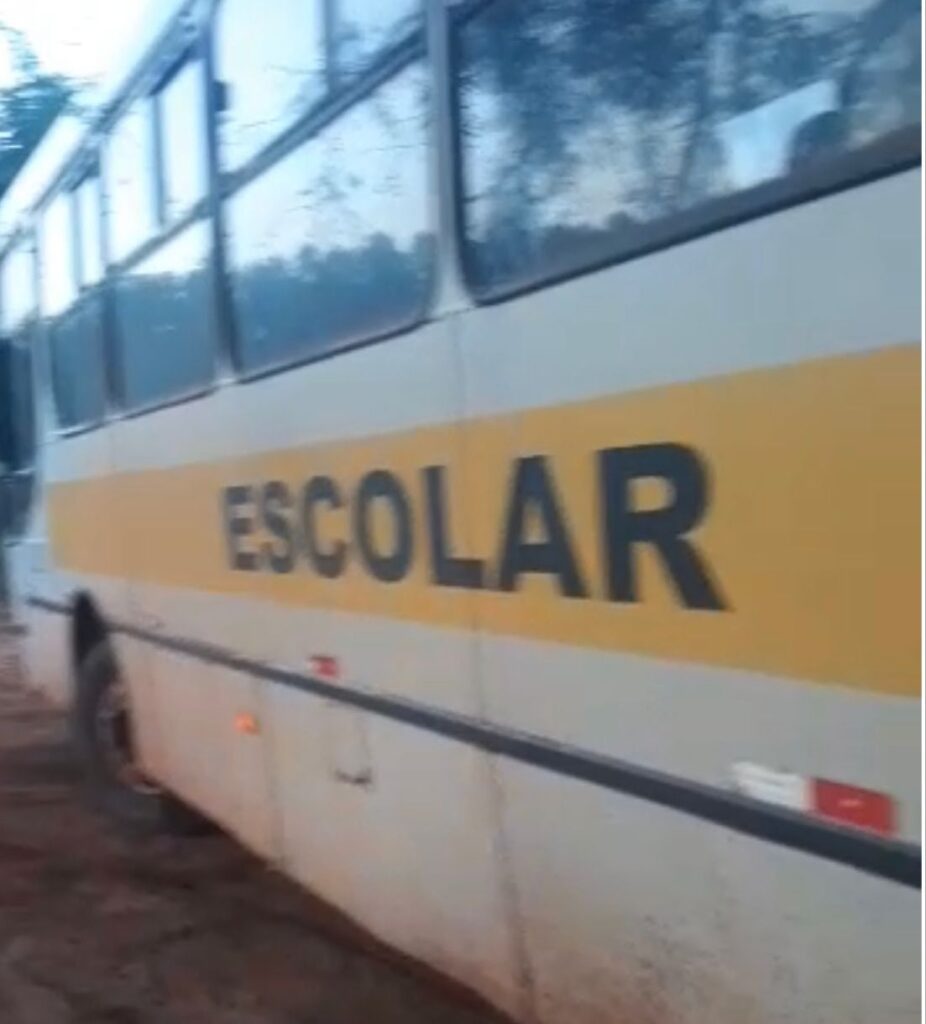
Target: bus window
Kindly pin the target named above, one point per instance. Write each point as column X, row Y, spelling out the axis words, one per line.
column 87, row 215
column 77, row 371
column 17, row 418
column 23, row 404
column 332, row 244
column 7, row 417
column 881, row 85
column 181, row 114
column 59, row 273
column 163, row 322
column 273, row 62
column 75, row 328
column 130, row 181
column 365, row 29
column 593, row 130
column 17, row 300
column 17, row 435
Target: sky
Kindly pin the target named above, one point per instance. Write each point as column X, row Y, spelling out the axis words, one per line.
column 80, row 38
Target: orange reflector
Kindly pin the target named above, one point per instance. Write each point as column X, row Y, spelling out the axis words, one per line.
column 246, row 724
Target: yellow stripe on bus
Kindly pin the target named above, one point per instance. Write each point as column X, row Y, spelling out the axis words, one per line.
column 803, row 561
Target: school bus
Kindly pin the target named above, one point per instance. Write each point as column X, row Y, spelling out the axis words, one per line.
column 473, row 456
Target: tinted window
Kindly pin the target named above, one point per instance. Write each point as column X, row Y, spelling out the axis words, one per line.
column 366, row 28
column 17, row 421
column 163, row 314
column 87, row 212
column 593, row 128
column 183, row 140
column 17, row 435
column 332, row 244
column 75, row 328
column 7, row 443
column 77, row 368
column 23, row 404
column 130, row 181
column 272, row 56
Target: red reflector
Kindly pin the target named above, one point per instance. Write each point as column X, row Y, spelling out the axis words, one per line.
column 849, row 805
column 326, row 667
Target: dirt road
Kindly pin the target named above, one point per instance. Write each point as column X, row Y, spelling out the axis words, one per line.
column 97, row 930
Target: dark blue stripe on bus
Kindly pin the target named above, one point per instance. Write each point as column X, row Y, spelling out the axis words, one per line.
column 895, row 861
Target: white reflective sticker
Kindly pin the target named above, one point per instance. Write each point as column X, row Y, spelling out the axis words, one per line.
column 784, row 789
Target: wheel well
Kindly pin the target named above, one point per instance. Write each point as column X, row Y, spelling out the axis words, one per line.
column 87, row 627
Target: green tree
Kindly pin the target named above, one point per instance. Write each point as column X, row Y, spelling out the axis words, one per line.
column 28, row 106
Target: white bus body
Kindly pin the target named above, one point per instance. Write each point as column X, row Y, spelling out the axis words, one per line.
column 561, row 628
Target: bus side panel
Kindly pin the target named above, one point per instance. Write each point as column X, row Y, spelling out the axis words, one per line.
column 393, row 826
column 783, row 352
column 190, row 707
column 44, row 648
column 638, row 913
column 82, row 557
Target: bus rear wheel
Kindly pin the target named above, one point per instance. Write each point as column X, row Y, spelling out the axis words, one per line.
column 105, row 743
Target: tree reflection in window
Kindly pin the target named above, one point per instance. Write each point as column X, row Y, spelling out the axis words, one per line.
column 74, row 324
column 129, row 178
column 77, row 368
column 332, row 244
column 586, row 124
column 164, row 323
column 273, row 61
column 365, row 29
column 183, row 140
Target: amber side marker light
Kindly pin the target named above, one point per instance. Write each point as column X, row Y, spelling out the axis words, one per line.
column 246, row 724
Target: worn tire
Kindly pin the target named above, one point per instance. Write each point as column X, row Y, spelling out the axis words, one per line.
column 140, row 812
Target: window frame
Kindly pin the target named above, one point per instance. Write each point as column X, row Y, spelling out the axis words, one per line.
column 191, row 55
column 343, row 93
column 116, row 370
column 62, row 194
column 153, row 186
column 198, row 48
column 339, row 70
column 337, row 78
column 89, row 168
column 339, row 101
column 91, row 172
column 330, row 76
column 894, row 153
